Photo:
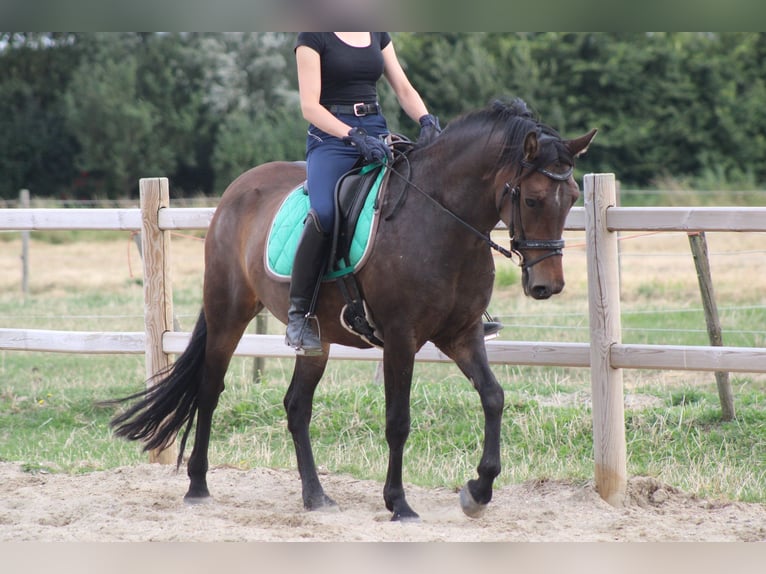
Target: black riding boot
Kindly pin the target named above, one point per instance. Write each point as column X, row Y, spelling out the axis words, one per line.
column 308, row 268
column 491, row 326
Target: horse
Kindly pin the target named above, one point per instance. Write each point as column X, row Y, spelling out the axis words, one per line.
column 429, row 277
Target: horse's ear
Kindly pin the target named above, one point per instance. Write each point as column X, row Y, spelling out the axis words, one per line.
column 530, row 146
column 579, row 146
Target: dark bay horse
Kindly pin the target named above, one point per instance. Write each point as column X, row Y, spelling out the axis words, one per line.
column 429, row 278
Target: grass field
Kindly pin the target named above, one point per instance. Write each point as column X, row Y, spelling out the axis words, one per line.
column 92, row 281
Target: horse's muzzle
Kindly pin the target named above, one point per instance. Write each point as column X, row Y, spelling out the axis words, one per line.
column 538, row 286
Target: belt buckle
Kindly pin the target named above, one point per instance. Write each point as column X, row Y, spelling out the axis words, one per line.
column 359, row 109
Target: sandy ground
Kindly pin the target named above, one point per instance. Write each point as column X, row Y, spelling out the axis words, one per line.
column 144, row 503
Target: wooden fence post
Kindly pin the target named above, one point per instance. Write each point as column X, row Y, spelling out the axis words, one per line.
column 261, row 328
column 698, row 244
column 609, row 448
column 24, row 203
column 139, row 245
column 158, row 295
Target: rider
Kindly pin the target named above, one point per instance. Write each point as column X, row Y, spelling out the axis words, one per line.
column 337, row 76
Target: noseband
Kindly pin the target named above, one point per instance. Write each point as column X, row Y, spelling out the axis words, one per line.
column 516, row 231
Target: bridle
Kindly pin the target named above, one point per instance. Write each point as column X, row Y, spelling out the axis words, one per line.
column 519, row 241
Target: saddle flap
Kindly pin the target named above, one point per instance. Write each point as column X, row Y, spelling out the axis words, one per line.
column 351, row 195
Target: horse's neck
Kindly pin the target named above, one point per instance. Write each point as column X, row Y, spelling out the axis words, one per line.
column 461, row 182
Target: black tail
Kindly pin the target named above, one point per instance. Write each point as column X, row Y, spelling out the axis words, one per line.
column 170, row 402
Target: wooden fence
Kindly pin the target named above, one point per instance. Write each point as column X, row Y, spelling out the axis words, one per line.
column 606, row 356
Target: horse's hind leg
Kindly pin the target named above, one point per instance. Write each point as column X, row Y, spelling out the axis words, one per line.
column 224, row 332
column 298, row 405
column 471, row 357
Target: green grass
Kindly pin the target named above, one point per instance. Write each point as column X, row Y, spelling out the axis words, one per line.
column 718, row 457
column 57, row 237
column 48, row 412
column 49, row 421
column 506, row 275
column 642, row 323
column 740, row 327
column 710, row 188
column 78, row 310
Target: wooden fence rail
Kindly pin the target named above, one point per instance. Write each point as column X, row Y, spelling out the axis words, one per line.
column 606, row 355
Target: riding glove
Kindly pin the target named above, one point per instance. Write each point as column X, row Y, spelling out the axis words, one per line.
column 371, row 148
column 429, row 129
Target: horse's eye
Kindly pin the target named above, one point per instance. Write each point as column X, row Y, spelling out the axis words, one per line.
column 531, row 202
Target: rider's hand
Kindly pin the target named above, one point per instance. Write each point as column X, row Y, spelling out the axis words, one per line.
column 429, row 129
column 371, row 148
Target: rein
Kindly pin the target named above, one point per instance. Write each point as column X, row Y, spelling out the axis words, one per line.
column 554, row 246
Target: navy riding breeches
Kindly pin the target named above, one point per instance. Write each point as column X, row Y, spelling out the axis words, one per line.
column 329, row 157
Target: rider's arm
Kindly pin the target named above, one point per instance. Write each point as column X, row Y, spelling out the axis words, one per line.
column 310, row 88
column 408, row 96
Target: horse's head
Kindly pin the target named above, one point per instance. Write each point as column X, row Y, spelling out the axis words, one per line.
column 534, row 205
column 528, row 170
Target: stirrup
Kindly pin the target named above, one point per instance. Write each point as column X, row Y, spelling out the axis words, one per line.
column 355, row 317
column 306, row 330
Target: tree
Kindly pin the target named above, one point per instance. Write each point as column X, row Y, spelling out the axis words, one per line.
column 91, row 113
column 453, row 72
column 37, row 150
column 115, row 128
column 245, row 141
column 255, row 91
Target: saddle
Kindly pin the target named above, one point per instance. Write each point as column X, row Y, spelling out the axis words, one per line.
column 351, row 204
column 358, row 195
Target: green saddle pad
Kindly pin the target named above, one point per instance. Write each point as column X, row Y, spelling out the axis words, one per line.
column 287, row 227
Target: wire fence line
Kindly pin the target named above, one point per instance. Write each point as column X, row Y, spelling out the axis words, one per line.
column 125, row 203
column 508, row 320
column 211, row 201
column 540, row 314
column 605, row 355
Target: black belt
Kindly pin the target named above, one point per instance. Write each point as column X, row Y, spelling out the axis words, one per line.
column 360, row 109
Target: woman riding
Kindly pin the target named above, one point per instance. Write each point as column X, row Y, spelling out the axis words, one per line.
column 337, row 77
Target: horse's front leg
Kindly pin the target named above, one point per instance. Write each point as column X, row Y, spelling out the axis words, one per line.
column 398, row 363
column 298, row 405
column 471, row 356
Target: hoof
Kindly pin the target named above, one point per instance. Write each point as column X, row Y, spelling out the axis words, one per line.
column 197, row 493
column 196, row 499
column 401, row 512
column 406, row 518
column 470, row 507
column 322, row 503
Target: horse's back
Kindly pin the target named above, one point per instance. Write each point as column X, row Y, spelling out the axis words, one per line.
column 237, row 233
column 266, row 179
column 253, row 198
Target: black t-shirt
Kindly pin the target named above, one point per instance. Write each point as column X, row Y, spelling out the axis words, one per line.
column 349, row 74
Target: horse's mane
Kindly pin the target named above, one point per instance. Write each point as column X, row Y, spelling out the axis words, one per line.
column 514, row 120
